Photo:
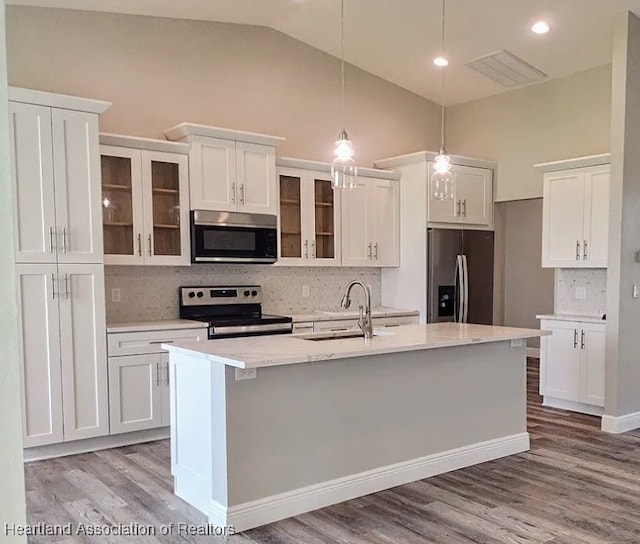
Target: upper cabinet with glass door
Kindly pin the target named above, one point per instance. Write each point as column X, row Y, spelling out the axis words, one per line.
column 309, row 218
column 145, row 201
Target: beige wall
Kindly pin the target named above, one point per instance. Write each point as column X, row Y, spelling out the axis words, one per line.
column 560, row 119
column 528, row 288
column 12, row 498
column 159, row 72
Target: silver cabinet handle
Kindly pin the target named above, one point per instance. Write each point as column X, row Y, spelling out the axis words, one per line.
column 242, row 193
column 575, row 338
column 306, row 249
column 161, row 341
column 577, row 250
column 582, row 339
column 369, row 251
column 139, row 245
column 53, row 287
column 64, row 239
column 375, row 251
column 313, row 249
column 157, row 374
column 51, row 243
column 464, row 207
column 149, row 242
column 66, row 286
column 584, row 250
column 166, row 367
column 233, row 192
column 458, row 208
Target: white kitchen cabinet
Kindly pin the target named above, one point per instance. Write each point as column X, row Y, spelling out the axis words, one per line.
column 371, row 223
column 62, row 324
column 335, row 325
column 56, row 177
column 572, row 365
column 575, row 218
column 145, row 201
column 230, row 170
column 472, row 202
column 139, row 377
column 309, row 218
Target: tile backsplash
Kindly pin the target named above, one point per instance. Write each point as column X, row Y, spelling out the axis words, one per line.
column 151, row 292
column 594, row 282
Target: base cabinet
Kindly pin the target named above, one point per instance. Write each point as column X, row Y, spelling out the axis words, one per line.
column 139, row 377
column 572, row 365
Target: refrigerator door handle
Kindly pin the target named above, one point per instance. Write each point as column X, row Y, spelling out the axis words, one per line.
column 465, row 289
column 459, row 286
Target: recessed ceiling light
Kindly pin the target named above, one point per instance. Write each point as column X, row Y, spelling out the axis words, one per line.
column 540, row 27
column 441, row 61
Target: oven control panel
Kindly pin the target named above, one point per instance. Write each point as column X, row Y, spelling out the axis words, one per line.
column 212, row 295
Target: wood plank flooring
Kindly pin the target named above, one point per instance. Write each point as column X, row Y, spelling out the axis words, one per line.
column 576, row 485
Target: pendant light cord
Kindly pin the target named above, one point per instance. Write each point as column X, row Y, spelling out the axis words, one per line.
column 442, row 114
column 342, row 62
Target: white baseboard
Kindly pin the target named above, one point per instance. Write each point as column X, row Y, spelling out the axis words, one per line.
column 49, row 451
column 533, row 352
column 589, row 409
column 260, row 512
column 622, row 424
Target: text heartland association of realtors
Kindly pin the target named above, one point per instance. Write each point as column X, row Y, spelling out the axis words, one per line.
column 120, row 529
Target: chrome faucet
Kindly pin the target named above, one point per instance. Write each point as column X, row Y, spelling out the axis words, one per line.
column 364, row 321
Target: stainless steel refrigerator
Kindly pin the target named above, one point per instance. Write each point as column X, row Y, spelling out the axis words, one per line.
column 460, row 276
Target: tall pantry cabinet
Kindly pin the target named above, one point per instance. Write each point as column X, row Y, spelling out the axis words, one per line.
column 60, row 275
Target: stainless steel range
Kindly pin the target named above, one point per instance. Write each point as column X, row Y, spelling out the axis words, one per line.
column 231, row 311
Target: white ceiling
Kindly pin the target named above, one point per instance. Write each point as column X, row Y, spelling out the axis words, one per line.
column 396, row 39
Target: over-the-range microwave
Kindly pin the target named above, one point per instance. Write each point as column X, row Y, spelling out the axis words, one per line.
column 231, row 237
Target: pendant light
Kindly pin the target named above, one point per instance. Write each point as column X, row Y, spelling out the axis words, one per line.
column 343, row 168
column 442, row 178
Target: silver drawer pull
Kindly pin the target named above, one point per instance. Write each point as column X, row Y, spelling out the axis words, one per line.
column 162, row 342
column 343, row 329
column 393, row 325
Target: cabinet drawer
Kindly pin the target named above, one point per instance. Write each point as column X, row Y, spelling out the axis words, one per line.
column 339, row 325
column 140, row 342
column 384, row 322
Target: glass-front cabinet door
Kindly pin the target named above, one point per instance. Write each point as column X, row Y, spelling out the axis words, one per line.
column 121, row 202
column 309, row 213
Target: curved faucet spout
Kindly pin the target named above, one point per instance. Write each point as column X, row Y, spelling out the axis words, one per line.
column 364, row 320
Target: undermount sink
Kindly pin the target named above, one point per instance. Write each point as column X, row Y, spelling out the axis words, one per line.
column 337, row 335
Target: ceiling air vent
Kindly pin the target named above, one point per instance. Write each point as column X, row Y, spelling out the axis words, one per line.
column 506, row 69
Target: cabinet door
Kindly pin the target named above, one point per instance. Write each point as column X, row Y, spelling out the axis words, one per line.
column 32, row 171
column 563, row 220
column 122, row 208
column 256, row 183
column 384, row 222
column 596, row 228
column 212, row 170
column 560, row 360
column 38, row 320
column 441, row 211
column 77, row 186
column 134, row 393
column 473, row 189
column 166, row 208
column 84, row 351
column 593, row 364
column 291, row 222
column 324, row 213
column 356, row 244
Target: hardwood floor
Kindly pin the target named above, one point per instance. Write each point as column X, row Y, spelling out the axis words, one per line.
column 576, row 485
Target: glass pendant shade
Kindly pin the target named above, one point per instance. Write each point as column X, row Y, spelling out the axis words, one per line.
column 442, row 178
column 343, row 168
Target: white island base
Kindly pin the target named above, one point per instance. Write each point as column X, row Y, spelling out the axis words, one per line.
column 304, row 435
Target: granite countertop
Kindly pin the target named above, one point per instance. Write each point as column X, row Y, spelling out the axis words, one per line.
column 573, row 317
column 162, row 325
column 335, row 315
column 264, row 351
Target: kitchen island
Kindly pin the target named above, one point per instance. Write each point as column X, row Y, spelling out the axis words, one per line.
column 268, row 427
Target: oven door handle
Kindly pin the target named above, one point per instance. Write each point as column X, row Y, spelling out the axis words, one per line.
column 233, row 329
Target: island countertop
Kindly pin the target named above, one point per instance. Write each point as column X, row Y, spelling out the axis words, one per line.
column 275, row 350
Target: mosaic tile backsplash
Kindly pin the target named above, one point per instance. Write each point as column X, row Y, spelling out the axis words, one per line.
column 594, row 281
column 151, row 292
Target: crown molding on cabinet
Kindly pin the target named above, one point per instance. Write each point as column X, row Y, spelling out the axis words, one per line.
column 578, row 162
column 149, row 144
column 54, row 100
column 318, row 166
column 185, row 130
column 424, row 156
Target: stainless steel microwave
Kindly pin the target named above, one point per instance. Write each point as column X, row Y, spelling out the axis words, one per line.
column 230, row 237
